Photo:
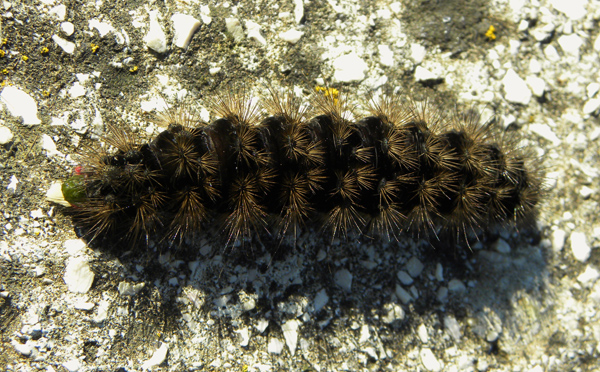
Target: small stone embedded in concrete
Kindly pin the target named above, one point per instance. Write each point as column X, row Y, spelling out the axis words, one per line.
column 20, row 104
column 49, row 146
column 386, row 56
column 364, row 334
column 158, row 357
column 155, row 39
column 72, row 365
column 298, row 10
column 103, row 28
column 320, row 300
column 424, row 74
column 235, row 29
column 67, row 28
column 343, row 279
column 417, row 53
column 414, row 267
column 589, row 276
column 452, row 327
column 184, row 27
column 591, row 106
column 392, row 313
column 130, row 289
column 456, row 286
column 13, row 185
column 78, row 276
column 253, row 30
column 5, row 135
column 515, row 88
column 261, row 325
column 349, row 68
column 403, row 294
column 74, row 246
column 570, row 44
column 558, row 240
column 574, row 9
column 404, row 277
column 544, row 131
column 23, row 349
column 275, row 346
column 429, row 360
column 537, row 85
column 291, row 36
column 580, row 247
column 290, row 333
column 245, row 336
column 422, row 333
column 501, row 246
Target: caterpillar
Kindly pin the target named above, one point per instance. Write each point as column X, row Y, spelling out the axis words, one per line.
column 272, row 166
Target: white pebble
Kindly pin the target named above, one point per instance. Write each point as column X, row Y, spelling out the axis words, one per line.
column 78, row 276
column 501, row 246
column 551, row 53
column 592, row 89
column 349, row 68
column 417, row 53
column 20, row 104
column 586, row 192
column 574, row 9
column 403, row 294
column 103, row 28
column 158, row 357
column 275, row 346
column 129, row 289
column 253, row 30
column 261, row 325
column 393, row 312
column 184, row 27
column 456, row 286
column 589, row 276
column 515, row 88
column 65, row 45
column 49, row 146
column 74, row 246
column 442, row 294
column 290, row 333
column 591, row 106
column 452, row 327
column 422, row 333
column 429, row 360
column 579, row 246
column 67, row 28
column 58, row 12
column 414, row 267
column 155, row 39
column 404, row 277
column 386, row 56
column 544, row 131
column 364, row 334
column 84, row 305
column 72, row 365
column 5, row 135
column 22, row 349
column 597, row 44
column 570, row 44
column 13, row 185
column 234, row 28
column 298, row 10
column 537, row 85
column 245, row 335
column 558, row 240
column 343, row 279
column 320, row 300
column 423, row 74
column 291, row 36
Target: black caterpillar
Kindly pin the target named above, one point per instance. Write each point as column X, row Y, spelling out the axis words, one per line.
column 270, row 168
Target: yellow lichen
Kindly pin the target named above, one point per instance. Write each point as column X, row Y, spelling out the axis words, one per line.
column 490, row 33
column 94, row 47
column 45, row 93
column 44, row 50
column 133, row 69
column 24, row 58
column 5, row 71
column 4, row 41
column 2, row 53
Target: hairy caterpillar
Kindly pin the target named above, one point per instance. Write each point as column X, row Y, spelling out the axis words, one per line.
column 270, row 167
